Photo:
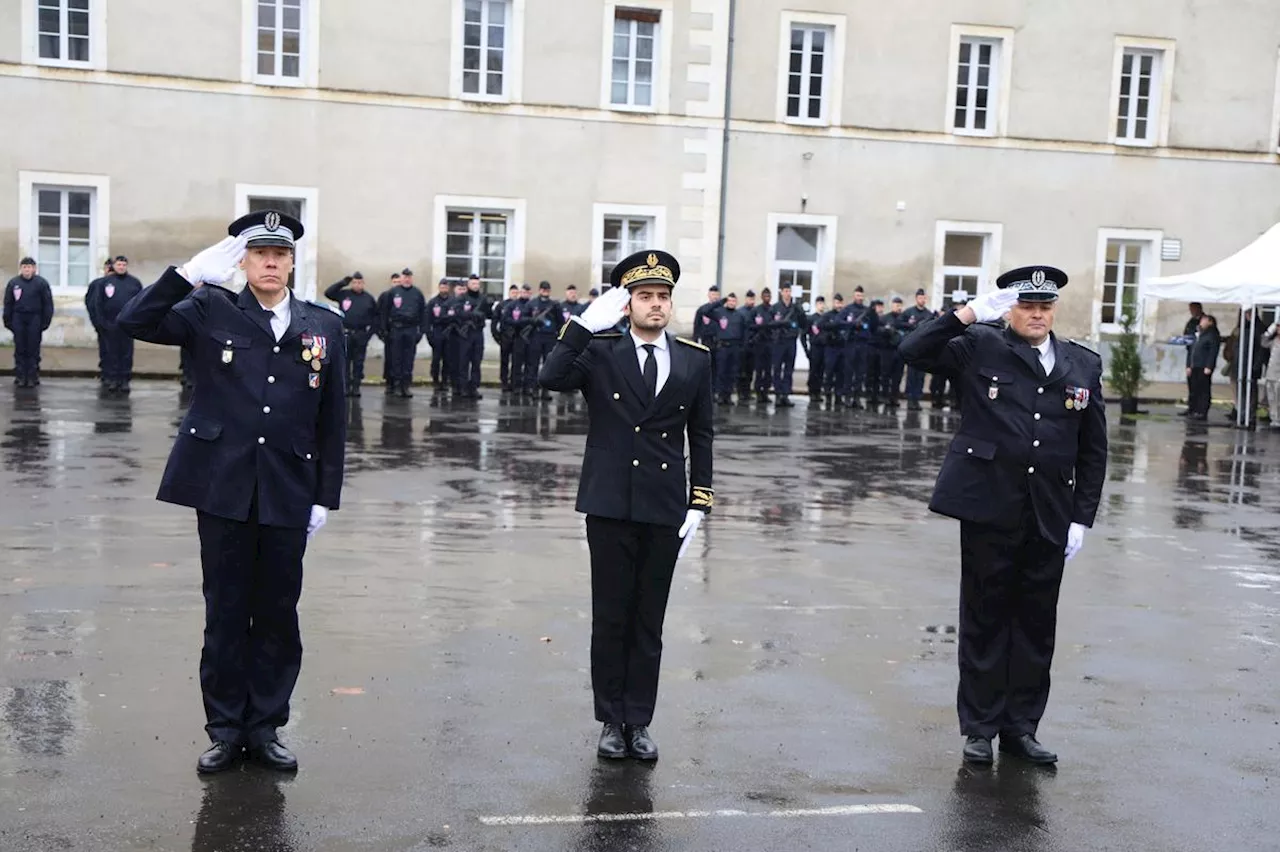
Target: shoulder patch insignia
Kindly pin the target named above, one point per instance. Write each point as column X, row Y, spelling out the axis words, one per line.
column 694, row 344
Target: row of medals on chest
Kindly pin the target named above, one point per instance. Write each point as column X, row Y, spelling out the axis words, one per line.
column 312, row 352
column 1077, row 398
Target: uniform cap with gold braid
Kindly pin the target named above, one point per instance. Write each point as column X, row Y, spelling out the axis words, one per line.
column 267, row 228
column 1034, row 283
column 651, row 266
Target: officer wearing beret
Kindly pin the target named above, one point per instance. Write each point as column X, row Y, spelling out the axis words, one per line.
column 1024, row 476
column 259, row 456
column 359, row 318
column 645, row 390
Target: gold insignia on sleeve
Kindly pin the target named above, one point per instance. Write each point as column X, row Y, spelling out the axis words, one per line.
column 702, row 498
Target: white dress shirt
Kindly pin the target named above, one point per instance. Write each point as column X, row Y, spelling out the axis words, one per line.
column 280, row 316
column 1047, row 358
column 661, row 352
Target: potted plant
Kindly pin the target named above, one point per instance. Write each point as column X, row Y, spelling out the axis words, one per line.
column 1127, row 372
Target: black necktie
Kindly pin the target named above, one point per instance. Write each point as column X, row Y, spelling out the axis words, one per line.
column 651, row 370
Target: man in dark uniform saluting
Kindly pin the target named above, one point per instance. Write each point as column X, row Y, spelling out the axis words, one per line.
column 259, row 457
column 1023, row 476
column 645, row 390
column 359, row 318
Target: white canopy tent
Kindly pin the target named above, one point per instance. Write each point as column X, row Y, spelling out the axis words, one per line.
column 1249, row 278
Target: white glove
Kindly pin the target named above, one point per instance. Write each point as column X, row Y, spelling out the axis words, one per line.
column 216, row 264
column 992, row 306
column 605, row 311
column 1075, row 540
column 319, row 517
column 692, row 520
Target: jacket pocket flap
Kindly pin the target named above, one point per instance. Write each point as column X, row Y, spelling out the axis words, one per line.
column 229, row 338
column 996, row 374
column 975, row 447
column 199, row 427
column 304, row 450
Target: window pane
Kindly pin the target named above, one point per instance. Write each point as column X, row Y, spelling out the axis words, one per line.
column 50, row 227
column 497, row 11
column 984, row 54
column 290, row 44
column 471, row 59
column 984, row 75
column 471, row 35
column 815, row 107
column 495, row 36
column 644, row 48
column 494, row 84
column 472, row 11
column 78, row 4
column 621, row 47
column 644, row 95
column 266, row 41
column 78, row 254
column 618, row 93
column 980, row 102
column 495, row 60
column 980, row 119
column 289, row 66
column 471, row 82
column 49, row 21
column 962, row 98
column 963, row 250
column 797, row 39
column 49, row 201
column 796, row 242
column 793, row 84
column 266, row 64
column 493, row 268
column 621, row 71
column 78, row 203
column 966, row 49
column 1126, row 64
column 292, row 19
column 638, row 231
column 457, row 267
column 1110, row 273
column 961, row 118
column 457, row 244
column 1131, row 273
column 797, row 63
column 819, row 40
column 49, row 47
column 644, row 72
column 49, row 255
column 266, row 15
column 1140, row 129
column 793, row 106
column 612, row 229
column 78, row 23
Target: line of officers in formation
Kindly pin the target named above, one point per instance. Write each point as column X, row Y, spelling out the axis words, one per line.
column 852, row 348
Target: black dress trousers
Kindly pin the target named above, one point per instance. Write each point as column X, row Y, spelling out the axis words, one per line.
column 252, row 648
column 631, row 569
column 1009, row 582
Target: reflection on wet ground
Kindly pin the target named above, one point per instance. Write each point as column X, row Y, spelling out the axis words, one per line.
column 809, row 645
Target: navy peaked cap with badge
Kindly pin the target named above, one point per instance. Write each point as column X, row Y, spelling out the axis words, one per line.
column 267, row 228
column 650, row 266
column 1034, row 283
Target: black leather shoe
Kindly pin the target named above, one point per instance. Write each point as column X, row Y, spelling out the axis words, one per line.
column 639, row 744
column 275, row 756
column 219, row 758
column 612, row 746
column 978, row 750
column 1026, row 747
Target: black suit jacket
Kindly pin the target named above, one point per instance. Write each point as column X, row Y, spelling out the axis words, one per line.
column 261, row 418
column 634, row 467
column 1018, row 439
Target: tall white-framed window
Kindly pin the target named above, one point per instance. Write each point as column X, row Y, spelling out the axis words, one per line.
column 1126, row 257
column 487, row 50
column 811, row 68
column 281, row 42
column 800, row 252
column 300, row 202
column 1275, row 114
column 635, row 47
column 480, row 235
column 64, row 223
column 476, row 242
column 1142, row 91
column 965, row 257
column 981, row 68
column 619, row 230
column 64, row 33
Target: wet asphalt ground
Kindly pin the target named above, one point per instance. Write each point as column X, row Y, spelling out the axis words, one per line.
column 809, row 675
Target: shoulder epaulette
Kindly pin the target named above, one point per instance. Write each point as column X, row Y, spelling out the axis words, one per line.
column 1085, row 348
column 694, row 344
column 327, row 307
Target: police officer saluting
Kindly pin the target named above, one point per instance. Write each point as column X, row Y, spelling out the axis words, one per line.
column 360, row 316
column 259, row 457
column 645, row 391
column 1023, row 476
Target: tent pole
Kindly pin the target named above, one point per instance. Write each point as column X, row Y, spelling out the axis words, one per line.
column 1248, row 382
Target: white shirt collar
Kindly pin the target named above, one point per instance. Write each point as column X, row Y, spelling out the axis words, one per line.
column 1044, row 348
column 281, row 309
column 660, row 343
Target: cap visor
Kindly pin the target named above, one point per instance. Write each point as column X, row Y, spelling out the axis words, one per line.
column 1037, row 297
column 255, row 242
column 654, row 280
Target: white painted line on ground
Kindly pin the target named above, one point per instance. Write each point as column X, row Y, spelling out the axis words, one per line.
column 789, row 813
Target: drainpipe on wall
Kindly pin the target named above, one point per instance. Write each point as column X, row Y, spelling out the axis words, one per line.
column 724, row 147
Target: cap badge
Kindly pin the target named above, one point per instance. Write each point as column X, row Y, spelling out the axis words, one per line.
column 272, row 221
column 1037, row 278
column 652, row 259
